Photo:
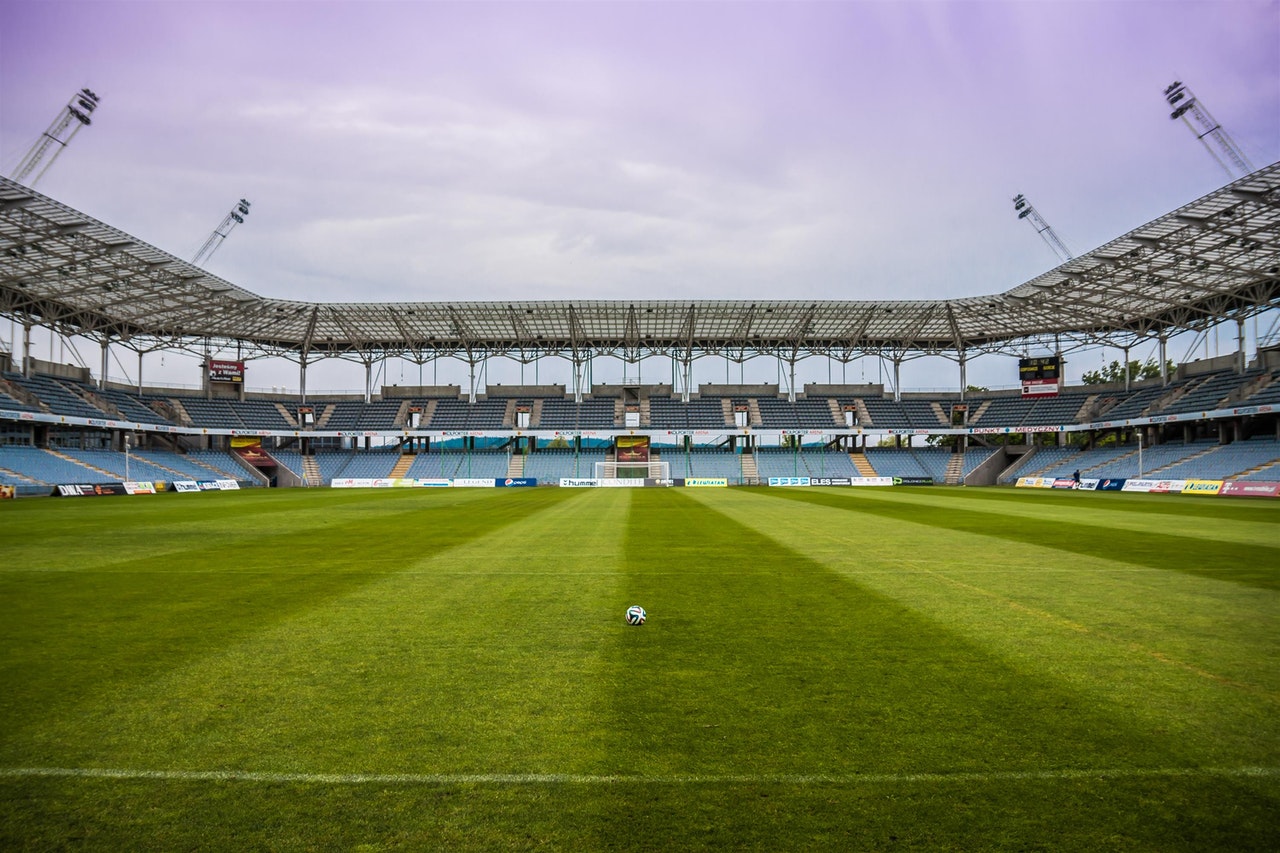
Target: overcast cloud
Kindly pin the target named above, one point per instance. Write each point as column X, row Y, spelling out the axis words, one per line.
column 444, row 151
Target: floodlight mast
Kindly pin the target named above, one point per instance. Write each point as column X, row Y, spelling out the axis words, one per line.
column 1027, row 212
column 74, row 116
column 1227, row 154
column 231, row 220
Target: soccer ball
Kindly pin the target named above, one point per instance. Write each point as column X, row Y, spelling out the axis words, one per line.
column 635, row 615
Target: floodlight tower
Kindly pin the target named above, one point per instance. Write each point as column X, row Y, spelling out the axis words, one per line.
column 1027, row 212
column 231, row 220
column 1216, row 140
column 68, row 123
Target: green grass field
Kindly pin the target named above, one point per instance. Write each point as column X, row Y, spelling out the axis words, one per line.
column 841, row 669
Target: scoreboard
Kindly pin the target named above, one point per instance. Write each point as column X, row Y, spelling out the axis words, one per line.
column 1040, row 377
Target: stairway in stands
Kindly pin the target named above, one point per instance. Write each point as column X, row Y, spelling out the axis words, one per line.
column 863, row 464
column 402, row 466
column 311, row 471
column 955, row 470
column 515, row 466
column 750, row 471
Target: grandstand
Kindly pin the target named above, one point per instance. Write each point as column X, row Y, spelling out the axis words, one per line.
column 1213, row 418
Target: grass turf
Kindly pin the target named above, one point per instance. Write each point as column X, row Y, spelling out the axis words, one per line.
column 822, row 669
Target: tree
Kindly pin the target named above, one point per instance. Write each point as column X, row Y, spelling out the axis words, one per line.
column 1114, row 372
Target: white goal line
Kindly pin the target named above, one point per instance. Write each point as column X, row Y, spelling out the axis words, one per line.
column 623, row 779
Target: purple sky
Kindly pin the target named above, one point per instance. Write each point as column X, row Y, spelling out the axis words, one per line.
column 439, row 151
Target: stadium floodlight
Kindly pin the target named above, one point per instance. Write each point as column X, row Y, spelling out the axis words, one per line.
column 74, row 116
column 1028, row 212
column 231, row 220
column 1224, row 149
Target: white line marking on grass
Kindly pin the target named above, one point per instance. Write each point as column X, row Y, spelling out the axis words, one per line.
column 610, row 779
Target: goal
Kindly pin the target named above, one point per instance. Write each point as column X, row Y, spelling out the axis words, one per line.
column 653, row 470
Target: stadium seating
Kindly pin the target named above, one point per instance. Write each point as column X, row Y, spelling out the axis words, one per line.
column 699, row 413
column 559, row 413
column 552, row 464
column 460, row 415
column 808, row 413
column 43, row 466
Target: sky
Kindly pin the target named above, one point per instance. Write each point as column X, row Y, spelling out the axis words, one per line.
column 428, row 151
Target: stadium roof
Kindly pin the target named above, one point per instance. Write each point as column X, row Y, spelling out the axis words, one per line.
column 1215, row 259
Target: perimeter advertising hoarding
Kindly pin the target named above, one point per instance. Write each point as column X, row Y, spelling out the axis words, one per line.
column 706, row 481
column 90, row 490
column 1202, row 487
column 8, row 492
column 1035, row 482
column 1155, row 487
column 904, row 481
column 140, row 488
column 186, row 486
column 1247, row 488
column 788, row 481
column 1111, row 484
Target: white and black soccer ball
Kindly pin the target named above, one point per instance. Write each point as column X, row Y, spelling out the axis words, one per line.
column 635, row 615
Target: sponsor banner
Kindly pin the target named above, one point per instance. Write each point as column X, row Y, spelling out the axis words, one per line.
column 621, row 483
column 1111, row 484
column 1040, row 388
column 8, row 492
column 473, row 483
column 435, row 484
column 1254, row 488
column 672, row 482
column 632, row 448
column 516, row 481
column 1202, row 487
column 578, row 482
column 830, row 481
column 907, row 481
column 350, row 483
column 227, row 485
column 706, row 481
column 871, row 481
column 83, row 490
column 1063, row 483
column 1089, row 485
column 226, row 371
column 1157, row 487
column 1035, row 482
column 788, row 481
column 140, row 488
column 186, row 486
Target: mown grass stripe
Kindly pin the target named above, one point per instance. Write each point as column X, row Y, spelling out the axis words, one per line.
column 1243, row 563
column 269, row 777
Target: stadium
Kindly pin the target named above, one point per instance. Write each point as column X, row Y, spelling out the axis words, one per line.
column 1208, row 263
column 641, row 613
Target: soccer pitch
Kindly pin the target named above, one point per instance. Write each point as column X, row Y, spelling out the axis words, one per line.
column 843, row 669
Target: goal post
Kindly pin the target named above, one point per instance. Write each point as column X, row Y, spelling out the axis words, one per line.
column 653, row 470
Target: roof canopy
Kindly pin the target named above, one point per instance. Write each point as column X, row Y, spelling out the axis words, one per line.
column 1215, row 259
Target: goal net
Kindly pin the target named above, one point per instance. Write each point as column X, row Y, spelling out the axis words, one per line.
column 653, row 470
